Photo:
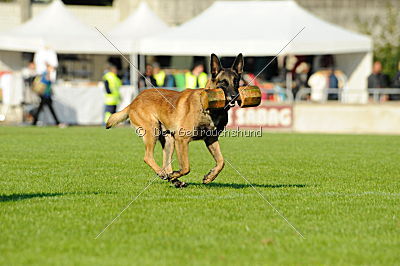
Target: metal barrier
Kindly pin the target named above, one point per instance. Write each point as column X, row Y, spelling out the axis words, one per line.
column 282, row 94
column 307, row 91
column 376, row 93
column 285, row 95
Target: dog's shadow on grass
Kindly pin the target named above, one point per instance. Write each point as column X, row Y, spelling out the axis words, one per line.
column 239, row 186
column 24, row 196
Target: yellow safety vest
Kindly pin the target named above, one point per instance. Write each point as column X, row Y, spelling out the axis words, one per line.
column 114, row 84
column 160, row 78
column 193, row 82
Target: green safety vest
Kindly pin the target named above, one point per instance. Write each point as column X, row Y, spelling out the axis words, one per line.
column 193, row 81
column 160, row 78
column 114, row 84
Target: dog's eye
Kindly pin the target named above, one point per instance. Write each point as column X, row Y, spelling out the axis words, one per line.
column 223, row 83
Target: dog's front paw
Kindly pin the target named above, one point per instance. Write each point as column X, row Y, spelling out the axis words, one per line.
column 179, row 184
column 164, row 176
column 174, row 175
column 208, row 178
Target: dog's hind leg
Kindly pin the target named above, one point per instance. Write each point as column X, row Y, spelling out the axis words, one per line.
column 167, row 143
column 150, row 140
column 215, row 150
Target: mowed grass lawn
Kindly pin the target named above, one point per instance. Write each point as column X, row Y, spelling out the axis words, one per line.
column 59, row 188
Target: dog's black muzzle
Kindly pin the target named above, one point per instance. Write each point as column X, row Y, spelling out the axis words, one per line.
column 231, row 100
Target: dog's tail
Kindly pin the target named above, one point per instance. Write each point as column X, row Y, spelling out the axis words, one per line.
column 117, row 118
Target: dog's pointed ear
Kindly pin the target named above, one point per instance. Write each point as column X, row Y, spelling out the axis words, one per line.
column 238, row 64
column 215, row 66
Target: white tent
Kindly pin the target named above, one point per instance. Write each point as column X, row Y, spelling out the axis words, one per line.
column 126, row 35
column 263, row 28
column 141, row 23
column 58, row 28
column 255, row 28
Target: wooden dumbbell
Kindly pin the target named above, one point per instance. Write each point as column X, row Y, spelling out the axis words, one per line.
column 213, row 98
column 250, row 96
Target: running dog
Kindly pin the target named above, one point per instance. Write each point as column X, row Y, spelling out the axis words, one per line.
column 176, row 118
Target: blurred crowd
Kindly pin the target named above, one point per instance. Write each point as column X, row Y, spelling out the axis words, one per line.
column 154, row 76
column 290, row 78
column 318, row 74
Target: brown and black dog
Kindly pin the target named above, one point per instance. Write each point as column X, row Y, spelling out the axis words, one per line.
column 176, row 118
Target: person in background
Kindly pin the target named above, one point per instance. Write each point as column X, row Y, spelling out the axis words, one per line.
column 396, row 84
column 43, row 57
column 396, row 79
column 196, row 78
column 159, row 75
column 45, row 98
column 112, row 84
column 290, row 62
column 333, row 83
column 126, row 76
column 148, row 80
column 318, row 82
column 301, row 77
column 377, row 79
column 28, row 74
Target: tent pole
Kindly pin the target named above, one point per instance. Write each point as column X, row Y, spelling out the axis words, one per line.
column 142, row 63
column 133, row 74
column 207, row 65
column 289, row 86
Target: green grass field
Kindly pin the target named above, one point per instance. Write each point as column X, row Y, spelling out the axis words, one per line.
column 61, row 187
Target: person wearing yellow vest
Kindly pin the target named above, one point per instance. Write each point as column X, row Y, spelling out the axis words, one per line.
column 112, row 83
column 196, row 78
column 158, row 75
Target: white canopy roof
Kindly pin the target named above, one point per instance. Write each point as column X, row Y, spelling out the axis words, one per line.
column 58, row 28
column 255, row 28
column 142, row 22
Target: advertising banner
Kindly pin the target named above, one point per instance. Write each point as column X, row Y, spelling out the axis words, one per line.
column 264, row 116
